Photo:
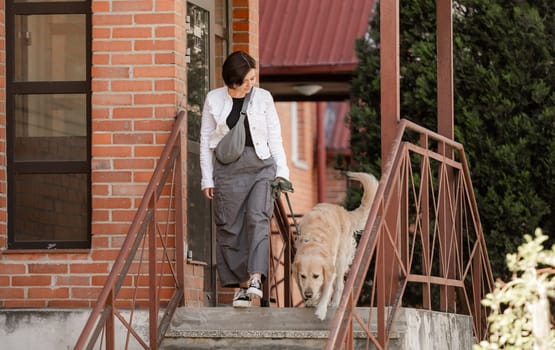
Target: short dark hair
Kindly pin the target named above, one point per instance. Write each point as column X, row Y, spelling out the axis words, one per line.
column 235, row 68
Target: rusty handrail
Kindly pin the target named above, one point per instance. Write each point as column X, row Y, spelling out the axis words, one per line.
column 101, row 318
column 452, row 255
column 282, row 252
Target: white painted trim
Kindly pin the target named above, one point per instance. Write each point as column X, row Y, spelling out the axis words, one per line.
column 298, row 163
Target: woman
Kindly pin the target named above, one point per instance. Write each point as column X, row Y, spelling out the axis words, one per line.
column 242, row 190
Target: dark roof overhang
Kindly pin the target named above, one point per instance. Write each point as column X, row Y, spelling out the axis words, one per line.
column 310, row 43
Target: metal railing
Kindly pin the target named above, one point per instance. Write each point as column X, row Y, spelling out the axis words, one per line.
column 423, row 244
column 148, row 272
column 282, row 252
column 424, row 214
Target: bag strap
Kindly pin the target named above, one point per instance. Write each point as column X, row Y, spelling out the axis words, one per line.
column 246, row 103
column 243, row 112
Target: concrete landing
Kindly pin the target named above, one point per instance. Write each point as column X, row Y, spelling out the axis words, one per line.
column 228, row 328
column 298, row 328
column 250, row 328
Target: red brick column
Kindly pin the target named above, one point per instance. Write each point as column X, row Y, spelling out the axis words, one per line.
column 139, row 82
column 245, row 26
column 3, row 160
column 194, row 283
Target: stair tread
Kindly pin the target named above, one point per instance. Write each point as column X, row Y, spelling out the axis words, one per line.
column 255, row 322
column 248, row 318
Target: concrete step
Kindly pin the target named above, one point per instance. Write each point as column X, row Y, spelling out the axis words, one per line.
column 298, row 328
column 250, row 328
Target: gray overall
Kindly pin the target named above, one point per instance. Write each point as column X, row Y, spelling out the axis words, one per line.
column 243, row 209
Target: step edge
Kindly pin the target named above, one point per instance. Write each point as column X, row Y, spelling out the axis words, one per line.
column 292, row 334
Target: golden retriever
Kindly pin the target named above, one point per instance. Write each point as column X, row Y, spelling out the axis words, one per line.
column 326, row 247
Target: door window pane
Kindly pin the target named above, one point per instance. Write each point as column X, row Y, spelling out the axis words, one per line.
column 50, row 47
column 50, row 127
column 198, row 69
column 51, row 207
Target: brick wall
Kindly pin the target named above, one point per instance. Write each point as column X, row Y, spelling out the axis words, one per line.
column 194, row 284
column 336, row 184
column 138, row 83
column 303, row 175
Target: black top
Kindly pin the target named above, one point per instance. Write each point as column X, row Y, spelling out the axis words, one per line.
column 233, row 117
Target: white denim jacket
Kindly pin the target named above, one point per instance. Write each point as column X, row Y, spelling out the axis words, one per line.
column 264, row 126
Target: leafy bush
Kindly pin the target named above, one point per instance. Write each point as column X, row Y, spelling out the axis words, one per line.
column 504, row 76
column 520, row 312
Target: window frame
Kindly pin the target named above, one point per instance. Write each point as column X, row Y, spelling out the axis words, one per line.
column 14, row 88
column 298, row 134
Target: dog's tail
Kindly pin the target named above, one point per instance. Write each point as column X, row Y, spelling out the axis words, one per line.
column 370, row 185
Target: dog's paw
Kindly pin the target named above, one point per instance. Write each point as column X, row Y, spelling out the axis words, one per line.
column 321, row 312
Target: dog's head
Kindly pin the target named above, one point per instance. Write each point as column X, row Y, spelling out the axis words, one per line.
column 312, row 272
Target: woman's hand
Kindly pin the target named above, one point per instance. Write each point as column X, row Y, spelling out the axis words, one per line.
column 280, row 185
column 209, row 192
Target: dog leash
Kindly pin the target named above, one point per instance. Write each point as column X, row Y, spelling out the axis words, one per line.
column 280, row 186
column 297, row 232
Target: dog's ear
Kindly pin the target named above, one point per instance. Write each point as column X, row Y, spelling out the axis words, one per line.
column 329, row 271
column 295, row 272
